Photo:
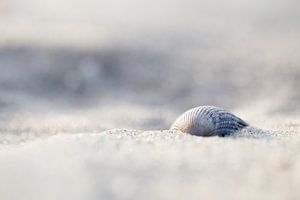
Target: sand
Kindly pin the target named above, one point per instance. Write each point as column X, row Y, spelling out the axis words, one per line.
column 129, row 164
column 89, row 89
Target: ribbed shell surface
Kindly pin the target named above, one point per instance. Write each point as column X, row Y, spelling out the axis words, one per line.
column 208, row 121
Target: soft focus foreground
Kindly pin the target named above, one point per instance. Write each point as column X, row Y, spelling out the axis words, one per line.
column 73, row 70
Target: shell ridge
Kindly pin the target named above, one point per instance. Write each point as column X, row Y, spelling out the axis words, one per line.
column 207, row 121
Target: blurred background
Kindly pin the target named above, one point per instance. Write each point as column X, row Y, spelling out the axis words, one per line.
column 90, row 65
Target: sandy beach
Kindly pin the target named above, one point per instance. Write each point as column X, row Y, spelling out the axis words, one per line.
column 89, row 89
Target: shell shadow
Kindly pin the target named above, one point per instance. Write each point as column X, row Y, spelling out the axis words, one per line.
column 254, row 132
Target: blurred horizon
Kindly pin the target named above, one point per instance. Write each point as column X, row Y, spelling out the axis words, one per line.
column 83, row 56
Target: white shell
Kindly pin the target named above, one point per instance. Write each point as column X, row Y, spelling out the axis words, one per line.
column 208, row 121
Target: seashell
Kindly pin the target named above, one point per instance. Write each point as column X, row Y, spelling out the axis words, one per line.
column 208, row 121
